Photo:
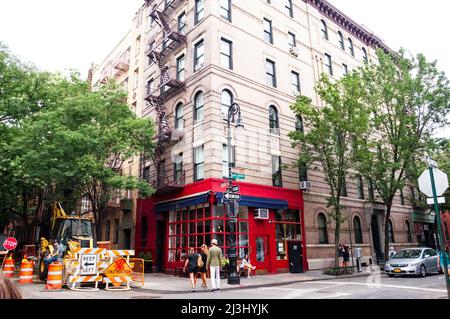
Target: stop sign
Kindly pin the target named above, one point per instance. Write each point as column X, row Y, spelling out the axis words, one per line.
column 440, row 181
column 10, row 243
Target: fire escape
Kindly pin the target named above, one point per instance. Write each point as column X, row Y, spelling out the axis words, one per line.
column 171, row 82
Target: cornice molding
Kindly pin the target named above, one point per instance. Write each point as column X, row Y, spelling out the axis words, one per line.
column 351, row 26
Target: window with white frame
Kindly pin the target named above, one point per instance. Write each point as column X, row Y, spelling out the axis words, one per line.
column 181, row 68
column 199, row 55
column 226, row 53
column 225, row 9
column 198, row 164
column 295, row 83
column 198, row 107
column 199, row 12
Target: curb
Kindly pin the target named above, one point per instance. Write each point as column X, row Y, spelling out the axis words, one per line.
column 145, row 290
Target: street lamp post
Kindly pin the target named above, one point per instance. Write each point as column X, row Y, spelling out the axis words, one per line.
column 233, row 277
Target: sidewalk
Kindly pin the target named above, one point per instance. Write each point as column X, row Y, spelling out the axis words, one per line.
column 169, row 284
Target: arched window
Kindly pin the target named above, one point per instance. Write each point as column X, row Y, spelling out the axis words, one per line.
column 408, row 230
column 322, row 227
column 324, row 30
column 179, row 114
column 299, row 124
column 390, row 227
column 341, row 40
column 358, row 230
column 227, row 100
column 198, row 107
column 365, row 57
column 273, row 120
column 144, row 231
column 350, row 47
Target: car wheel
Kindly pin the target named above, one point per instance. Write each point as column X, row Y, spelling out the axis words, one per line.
column 423, row 271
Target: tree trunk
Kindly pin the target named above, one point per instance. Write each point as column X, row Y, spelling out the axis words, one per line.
column 386, row 231
column 337, row 234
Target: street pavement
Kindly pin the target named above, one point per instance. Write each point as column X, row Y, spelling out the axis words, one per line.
column 311, row 285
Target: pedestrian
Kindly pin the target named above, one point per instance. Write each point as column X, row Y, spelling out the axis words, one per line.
column 214, row 263
column 392, row 252
column 191, row 264
column 8, row 290
column 341, row 255
column 203, row 271
column 245, row 264
column 346, row 254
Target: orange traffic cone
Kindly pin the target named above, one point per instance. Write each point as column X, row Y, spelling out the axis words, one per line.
column 26, row 272
column 8, row 268
column 54, row 277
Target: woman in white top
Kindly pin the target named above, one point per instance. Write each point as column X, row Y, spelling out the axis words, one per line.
column 245, row 264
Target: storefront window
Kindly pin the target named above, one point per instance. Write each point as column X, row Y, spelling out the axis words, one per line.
column 287, row 227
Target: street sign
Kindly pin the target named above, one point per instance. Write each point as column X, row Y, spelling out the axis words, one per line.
column 88, row 265
column 237, row 176
column 232, row 196
column 440, row 200
column 234, row 189
column 10, row 243
column 119, row 268
column 440, row 181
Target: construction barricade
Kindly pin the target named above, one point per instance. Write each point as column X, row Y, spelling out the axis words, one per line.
column 8, row 268
column 26, row 272
column 119, row 272
column 86, row 271
column 54, row 277
column 137, row 265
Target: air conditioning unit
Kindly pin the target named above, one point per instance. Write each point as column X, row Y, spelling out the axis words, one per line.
column 293, row 51
column 262, row 213
column 305, row 186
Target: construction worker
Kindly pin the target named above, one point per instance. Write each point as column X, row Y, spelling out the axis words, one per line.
column 53, row 253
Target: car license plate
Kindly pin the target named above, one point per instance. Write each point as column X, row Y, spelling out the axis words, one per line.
column 397, row 270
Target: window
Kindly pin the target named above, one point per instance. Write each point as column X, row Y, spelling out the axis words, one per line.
column 402, row 197
column 302, row 172
column 178, row 167
column 291, row 40
column 225, row 9
column 295, row 83
column 270, row 73
column 179, row 116
column 322, row 227
column 299, row 124
column 198, row 164
column 146, row 173
column 287, row 227
column 274, row 123
column 225, row 159
column 413, row 194
column 182, row 23
column 390, row 227
column 357, row 229
column 136, row 79
column 408, row 231
column 199, row 55
column 365, row 57
column 360, row 186
column 144, row 231
column 107, row 231
column 328, row 64
column 276, row 171
column 371, row 191
column 268, row 36
column 150, row 86
column 344, row 69
column 199, row 11
column 324, row 30
column 288, row 8
column 341, row 40
column 344, row 187
column 227, row 100
column 181, row 68
column 116, row 231
column 150, row 48
column 138, row 45
column 350, row 47
column 226, row 51
column 198, row 107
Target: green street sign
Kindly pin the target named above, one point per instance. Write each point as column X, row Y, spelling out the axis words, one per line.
column 237, row 176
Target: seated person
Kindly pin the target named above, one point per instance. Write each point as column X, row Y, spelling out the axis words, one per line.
column 245, row 264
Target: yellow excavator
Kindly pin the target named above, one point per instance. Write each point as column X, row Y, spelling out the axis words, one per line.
column 67, row 233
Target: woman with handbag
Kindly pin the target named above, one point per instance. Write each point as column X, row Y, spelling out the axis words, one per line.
column 192, row 261
column 202, row 269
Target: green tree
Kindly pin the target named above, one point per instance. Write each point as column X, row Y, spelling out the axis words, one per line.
column 330, row 134
column 409, row 98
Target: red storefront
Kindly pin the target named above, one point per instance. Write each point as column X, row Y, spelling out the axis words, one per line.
column 167, row 225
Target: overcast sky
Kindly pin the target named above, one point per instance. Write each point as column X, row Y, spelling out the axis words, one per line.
column 60, row 35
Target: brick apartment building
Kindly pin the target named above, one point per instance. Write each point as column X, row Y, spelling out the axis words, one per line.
column 183, row 63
